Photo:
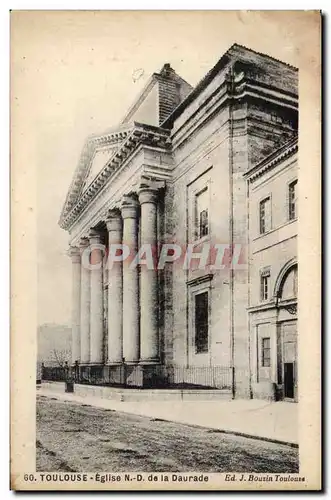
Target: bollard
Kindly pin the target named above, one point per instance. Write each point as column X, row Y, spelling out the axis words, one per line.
column 69, row 386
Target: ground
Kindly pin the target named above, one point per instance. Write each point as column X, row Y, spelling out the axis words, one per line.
column 73, row 437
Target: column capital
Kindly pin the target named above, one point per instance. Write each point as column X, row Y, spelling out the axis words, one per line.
column 74, row 254
column 129, row 207
column 114, row 220
column 148, row 190
column 84, row 243
column 94, row 237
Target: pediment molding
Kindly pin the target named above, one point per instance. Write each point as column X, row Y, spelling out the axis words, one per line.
column 79, row 197
column 92, row 144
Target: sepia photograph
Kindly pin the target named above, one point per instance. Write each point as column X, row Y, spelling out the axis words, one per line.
column 164, row 345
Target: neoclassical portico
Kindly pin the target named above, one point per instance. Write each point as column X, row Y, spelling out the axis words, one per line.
column 133, row 336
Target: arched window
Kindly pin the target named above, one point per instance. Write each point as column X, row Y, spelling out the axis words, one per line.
column 289, row 287
column 286, row 286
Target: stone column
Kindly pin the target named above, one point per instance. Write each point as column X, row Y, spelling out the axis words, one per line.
column 75, row 318
column 131, row 341
column 115, row 291
column 149, row 335
column 96, row 312
column 84, row 303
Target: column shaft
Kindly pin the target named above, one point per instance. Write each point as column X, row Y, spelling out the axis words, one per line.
column 130, row 283
column 75, row 319
column 96, row 312
column 149, row 338
column 115, row 291
column 85, row 304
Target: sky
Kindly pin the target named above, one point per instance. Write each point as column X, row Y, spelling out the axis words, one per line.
column 75, row 74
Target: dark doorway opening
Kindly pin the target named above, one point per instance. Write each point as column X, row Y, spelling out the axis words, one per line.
column 289, row 380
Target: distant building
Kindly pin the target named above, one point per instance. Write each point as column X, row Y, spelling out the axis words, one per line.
column 204, row 167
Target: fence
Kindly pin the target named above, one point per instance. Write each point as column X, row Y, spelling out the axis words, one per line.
column 56, row 373
column 157, row 376
column 212, row 377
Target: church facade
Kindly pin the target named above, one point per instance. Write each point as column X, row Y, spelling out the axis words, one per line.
column 182, row 225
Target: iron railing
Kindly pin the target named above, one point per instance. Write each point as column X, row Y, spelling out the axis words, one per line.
column 156, row 376
column 213, row 377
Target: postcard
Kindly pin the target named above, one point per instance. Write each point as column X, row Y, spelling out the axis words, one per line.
column 166, row 250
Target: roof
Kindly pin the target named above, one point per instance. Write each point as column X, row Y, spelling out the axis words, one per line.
column 235, row 52
column 166, row 74
column 270, row 161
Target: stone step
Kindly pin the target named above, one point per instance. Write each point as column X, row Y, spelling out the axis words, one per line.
column 135, row 395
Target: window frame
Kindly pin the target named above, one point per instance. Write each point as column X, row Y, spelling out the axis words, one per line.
column 199, row 182
column 261, row 201
column 195, row 287
column 265, row 349
column 207, row 323
column 197, row 216
column 264, row 279
column 203, row 227
column 289, row 203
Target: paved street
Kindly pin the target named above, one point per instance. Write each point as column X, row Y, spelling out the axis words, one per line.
column 76, row 437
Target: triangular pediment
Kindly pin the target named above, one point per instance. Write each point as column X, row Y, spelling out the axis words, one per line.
column 96, row 153
column 102, row 156
column 99, row 159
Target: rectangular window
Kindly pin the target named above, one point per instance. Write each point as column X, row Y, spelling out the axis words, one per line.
column 203, row 223
column 266, row 352
column 202, row 216
column 292, row 200
column 265, row 215
column 201, row 322
column 265, row 286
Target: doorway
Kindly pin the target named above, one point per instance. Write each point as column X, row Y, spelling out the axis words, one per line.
column 289, row 342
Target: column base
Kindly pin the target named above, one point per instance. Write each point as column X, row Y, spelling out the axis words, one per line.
column 114, row 374
column 91, row 373
column 102, row 374
column 145, row 376
column 264, row 390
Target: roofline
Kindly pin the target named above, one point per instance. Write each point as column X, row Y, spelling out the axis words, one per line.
column 202, row 84
column 155, row 77
column 138, row 100
column 264, row 55
column 287, row 149
column 91, row 144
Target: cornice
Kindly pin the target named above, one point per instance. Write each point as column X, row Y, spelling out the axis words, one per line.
column 273, row 304
column 272, row 160
column 140, row 134
column 225, row 94
column 232, row 55
column 199, row 280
